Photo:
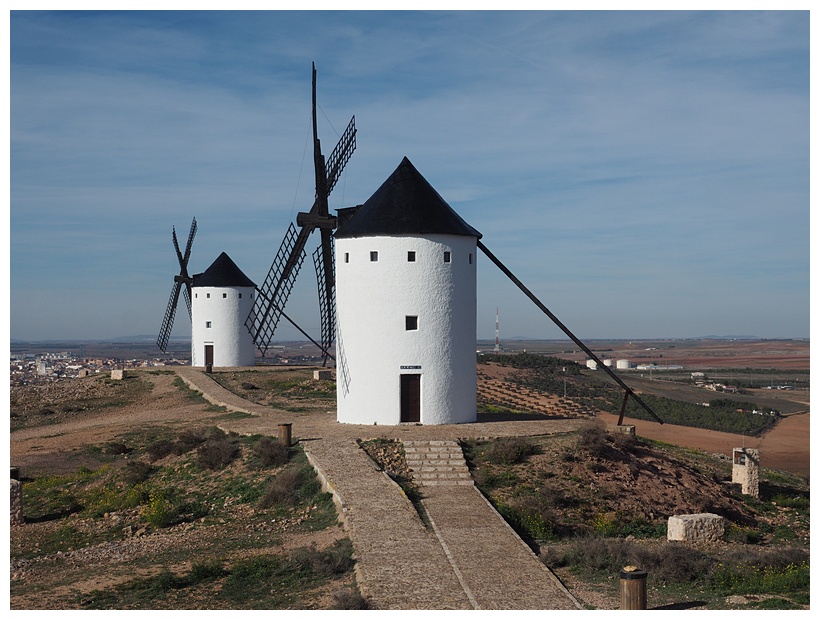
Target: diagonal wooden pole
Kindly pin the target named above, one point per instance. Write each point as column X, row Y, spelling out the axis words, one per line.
column 565, row 329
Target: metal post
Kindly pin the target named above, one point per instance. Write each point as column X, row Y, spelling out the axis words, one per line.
column 633, row 588
column 285, row 434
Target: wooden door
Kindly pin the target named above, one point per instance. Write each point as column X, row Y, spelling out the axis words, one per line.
column 209, row 355
column 410, row 398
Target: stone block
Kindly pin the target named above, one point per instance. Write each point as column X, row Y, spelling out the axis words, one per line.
column 16, row 503
column 624, row 429
column 322, row 375
column 746, row 470
column 118, row 374
column 696, row 529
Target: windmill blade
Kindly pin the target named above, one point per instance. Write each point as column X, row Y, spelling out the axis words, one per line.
column 274, row 292
column 183, row 265
column 340, row 155
column 168, row 321
column 179, row 280
column 327, row 298
column 186, row 295
column 191, row 236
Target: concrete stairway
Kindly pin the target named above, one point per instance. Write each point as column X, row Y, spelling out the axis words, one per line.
column 437, row 463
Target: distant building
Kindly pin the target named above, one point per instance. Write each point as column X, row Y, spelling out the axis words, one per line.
column 222, row 298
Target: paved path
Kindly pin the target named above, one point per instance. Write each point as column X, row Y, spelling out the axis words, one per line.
column 469, row 559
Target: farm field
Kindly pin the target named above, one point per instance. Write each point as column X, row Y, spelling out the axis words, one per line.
column 694, row 354
column 786, row 446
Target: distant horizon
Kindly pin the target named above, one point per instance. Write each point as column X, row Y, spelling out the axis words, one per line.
column 180, row 340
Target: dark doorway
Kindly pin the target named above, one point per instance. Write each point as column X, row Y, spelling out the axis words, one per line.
column 209, row 355
column 410, row 398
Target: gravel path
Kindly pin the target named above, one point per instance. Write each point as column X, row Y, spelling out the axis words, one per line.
column 470, row 559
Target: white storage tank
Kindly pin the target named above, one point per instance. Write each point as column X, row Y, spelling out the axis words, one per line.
column 222, row 299
column 608, row 363
column 592, row 364
column 623, row 364
column 406, row 308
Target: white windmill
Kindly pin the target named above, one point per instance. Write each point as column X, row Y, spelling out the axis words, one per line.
column 219, row 301
column 406, row 308
column 403, row 312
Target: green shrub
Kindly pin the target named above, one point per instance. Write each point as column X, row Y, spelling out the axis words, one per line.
column 115, row 447
column 349, row 598
column 668, row 563
column 290, row 486
column 160, row 449
column 217, row 452
column 510, row 450
column 592, row 439
column 335, row 560
column 136, row 472
column 271, row 453
column 190, row 439
column 206, row 571
column 743, row 579
column 163, row 510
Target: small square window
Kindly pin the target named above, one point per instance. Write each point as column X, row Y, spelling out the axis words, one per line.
column 207, row 324
column 374, row 256
column 411, row 323
column 347, row 257
column 208, row 295
column 224, row 296
column 196, row 295
column 471, row 258
column 240, row 295
column 447, row 257
column 411, row 257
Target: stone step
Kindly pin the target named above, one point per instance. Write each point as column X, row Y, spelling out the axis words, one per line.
column 443, row 475
column 441, row 468
column 437, row 463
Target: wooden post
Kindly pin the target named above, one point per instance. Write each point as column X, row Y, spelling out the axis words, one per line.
column 284, row 434
column 633, row 588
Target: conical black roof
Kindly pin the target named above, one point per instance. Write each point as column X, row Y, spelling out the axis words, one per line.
column 405, row 204
column 223, row 272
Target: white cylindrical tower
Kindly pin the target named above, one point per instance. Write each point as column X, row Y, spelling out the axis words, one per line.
column 406, row 308
column 222, row 300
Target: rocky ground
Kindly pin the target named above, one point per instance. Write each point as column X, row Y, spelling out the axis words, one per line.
column 57, row 428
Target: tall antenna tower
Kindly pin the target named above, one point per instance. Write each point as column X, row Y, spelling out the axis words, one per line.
column 497, row 340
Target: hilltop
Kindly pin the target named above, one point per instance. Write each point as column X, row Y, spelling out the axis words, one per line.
column 94, row 431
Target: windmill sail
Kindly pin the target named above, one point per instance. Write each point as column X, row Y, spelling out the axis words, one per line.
column 327, row 301
column 182, row 282
column 273, row 295
column 274, row 292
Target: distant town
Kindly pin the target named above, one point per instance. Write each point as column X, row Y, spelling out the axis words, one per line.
column 33, row 363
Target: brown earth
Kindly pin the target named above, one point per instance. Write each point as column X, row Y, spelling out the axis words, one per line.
column 57, row 442
column 786, row 446
column 55, row 424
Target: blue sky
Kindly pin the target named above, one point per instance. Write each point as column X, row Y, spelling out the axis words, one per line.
column 645, row 174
